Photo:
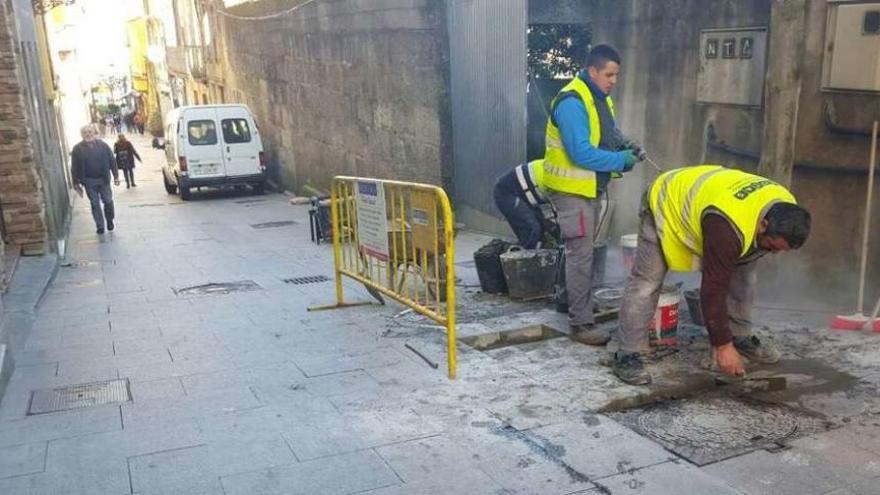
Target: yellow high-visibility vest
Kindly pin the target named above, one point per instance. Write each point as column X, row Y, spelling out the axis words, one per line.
column 560, row 173
column 679, row 198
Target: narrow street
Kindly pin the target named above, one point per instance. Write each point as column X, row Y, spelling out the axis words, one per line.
column 248, row 393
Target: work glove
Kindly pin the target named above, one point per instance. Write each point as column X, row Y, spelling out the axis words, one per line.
column 629, row 159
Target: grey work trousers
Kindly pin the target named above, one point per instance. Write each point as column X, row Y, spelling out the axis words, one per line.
column 578, row 218
column 646, row 281
column 99, row 191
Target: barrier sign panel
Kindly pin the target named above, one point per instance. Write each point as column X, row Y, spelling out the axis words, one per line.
column 372, row 220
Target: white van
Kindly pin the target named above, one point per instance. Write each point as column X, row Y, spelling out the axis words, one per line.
column 212, row 146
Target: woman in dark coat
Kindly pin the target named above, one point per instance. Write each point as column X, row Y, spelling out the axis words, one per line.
column 125, row 155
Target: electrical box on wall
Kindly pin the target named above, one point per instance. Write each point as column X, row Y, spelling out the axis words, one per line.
column 852, row 47
column 732, row 65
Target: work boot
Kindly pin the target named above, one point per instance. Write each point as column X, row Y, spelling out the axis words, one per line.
column 589, row 334
column 755, row 350
column 630, row 369
column 110, row 225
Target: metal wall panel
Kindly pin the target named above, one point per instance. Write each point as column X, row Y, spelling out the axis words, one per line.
column 487, row 44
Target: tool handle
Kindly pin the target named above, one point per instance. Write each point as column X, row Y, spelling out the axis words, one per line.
column 867, row 224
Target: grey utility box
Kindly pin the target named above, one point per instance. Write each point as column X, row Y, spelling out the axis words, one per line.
column 732, row 66
column 852, row 47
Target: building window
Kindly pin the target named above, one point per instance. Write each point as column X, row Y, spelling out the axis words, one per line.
column 202, row 132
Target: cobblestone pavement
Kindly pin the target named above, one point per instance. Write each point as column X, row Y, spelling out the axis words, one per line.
column 248, row 393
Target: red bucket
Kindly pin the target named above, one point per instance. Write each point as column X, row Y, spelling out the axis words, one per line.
column 663, row 327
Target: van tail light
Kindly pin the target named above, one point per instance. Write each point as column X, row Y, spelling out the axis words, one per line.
column 262, row 161
column 181, row 162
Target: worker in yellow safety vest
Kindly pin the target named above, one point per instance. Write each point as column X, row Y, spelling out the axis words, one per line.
column 719, row 221
column 584, row 150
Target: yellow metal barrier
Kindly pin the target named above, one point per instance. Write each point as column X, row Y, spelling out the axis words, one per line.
column 397, row 239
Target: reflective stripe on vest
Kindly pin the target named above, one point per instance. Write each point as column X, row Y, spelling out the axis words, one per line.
column 560, row 173
column 527, row 175
column 680, row 198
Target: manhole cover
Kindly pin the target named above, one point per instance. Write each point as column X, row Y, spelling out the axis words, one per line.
column 312, row 279
column 273, row 225
column 218, row 288
column 710, row 429
column 79, row 396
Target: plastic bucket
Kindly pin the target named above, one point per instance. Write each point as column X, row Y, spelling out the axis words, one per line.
column 487, row 261
column 530, row 273
column 628, row 245
column 663, row 327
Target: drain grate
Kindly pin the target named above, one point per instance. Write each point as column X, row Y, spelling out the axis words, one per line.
column 147, row 205
column 79, row 396
column 273, row 225
column 311, row 279
column 218, row 288
column 87, row 263
column 710, row 429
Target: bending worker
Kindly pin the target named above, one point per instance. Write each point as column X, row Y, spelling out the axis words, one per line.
column 519, row 195
column 584, row 149
column 720, row 221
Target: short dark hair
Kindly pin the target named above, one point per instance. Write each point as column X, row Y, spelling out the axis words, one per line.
column 789, row 221
column 601, row 55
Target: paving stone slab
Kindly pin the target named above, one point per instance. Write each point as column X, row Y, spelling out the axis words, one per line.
column 170, row 471
column 165, row 389
column 362, row 470
column 163, row 411
column 18, row 460
column 60, row 425
column 668, row 478
column 784, row 473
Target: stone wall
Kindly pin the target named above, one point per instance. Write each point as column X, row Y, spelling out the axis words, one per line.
column 656, row 102
column 21, row 198
column 345, row 87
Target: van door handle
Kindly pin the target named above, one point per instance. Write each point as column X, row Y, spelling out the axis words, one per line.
column 227, row 149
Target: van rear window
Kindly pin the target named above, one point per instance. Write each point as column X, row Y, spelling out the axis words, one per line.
column 201, row 132
column 235, row 131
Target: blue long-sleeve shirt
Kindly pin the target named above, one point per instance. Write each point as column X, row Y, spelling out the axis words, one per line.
column 570, row 116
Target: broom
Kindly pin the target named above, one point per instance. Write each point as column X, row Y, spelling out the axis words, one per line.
column 858, row 320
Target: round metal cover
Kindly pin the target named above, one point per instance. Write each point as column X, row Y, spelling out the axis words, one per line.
column 707, row 430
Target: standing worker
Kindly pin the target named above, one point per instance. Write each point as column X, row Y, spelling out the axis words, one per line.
column 720, row 221
column 584, row 149
column 92, row 163
column 519, row 195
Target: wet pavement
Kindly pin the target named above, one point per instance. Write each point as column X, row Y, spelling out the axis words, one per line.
column 200, row 307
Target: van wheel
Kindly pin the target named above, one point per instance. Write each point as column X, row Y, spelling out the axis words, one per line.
column 169, row 187
column 259, row 189
column 185, row 194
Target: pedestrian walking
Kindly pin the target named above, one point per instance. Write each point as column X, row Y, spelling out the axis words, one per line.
column 109, row 125
column 585, row 149
column 92, row 164
column 139, row 123
column 125, row 156
column 719, row 221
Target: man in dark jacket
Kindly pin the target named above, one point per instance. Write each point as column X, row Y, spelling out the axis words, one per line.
column 92, row 163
